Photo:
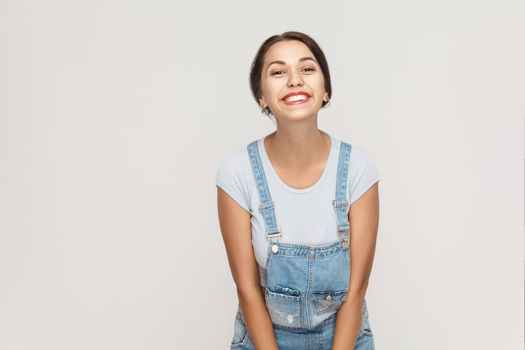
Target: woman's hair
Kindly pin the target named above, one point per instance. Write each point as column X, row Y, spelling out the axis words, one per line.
column 257, row 64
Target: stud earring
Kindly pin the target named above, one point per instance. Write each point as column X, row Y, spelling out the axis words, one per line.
column 265, row 110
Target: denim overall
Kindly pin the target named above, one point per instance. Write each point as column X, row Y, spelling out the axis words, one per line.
column 305, row 284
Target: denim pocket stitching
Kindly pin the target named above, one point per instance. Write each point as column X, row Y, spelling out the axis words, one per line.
column 365, row 326
column 284, row 309
column 323, row 305
column 239, row 324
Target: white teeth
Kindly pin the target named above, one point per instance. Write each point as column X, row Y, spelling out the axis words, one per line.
column 296, row 98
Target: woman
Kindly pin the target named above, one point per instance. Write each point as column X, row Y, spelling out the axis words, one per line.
column 284, row 210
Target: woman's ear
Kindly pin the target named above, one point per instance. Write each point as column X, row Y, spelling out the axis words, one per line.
column 262, row 103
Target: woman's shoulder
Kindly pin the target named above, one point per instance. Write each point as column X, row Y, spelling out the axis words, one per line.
column 363, row 171
column 235, row 165
column 236, row 158
column 233, row 176
column 358, row 153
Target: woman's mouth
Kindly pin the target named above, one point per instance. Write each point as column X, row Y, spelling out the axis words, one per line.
column 297, row 100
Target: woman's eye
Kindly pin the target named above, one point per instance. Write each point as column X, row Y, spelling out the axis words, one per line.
column 308, row 69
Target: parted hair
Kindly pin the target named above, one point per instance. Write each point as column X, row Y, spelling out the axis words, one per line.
column 258, row 61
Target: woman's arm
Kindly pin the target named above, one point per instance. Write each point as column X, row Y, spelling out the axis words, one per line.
column 236, row 231
column 364, row 220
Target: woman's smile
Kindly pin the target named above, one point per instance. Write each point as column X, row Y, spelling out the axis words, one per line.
column 297, row 100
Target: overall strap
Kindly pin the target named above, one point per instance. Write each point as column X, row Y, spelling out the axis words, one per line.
column 340, row 203
column 267, row 205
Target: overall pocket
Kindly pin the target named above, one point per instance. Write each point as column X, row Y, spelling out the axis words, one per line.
column 285, row 306
column 328, row 302
column 240, row 333
column 365, row 324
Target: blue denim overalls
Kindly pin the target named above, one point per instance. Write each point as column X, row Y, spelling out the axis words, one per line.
column 305, row 284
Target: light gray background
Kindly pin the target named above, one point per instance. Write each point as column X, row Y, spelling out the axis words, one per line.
column 114, row 116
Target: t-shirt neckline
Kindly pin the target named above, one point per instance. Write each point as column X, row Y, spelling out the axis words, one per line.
column 268, row 165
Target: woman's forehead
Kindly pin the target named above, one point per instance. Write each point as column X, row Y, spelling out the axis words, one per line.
column 287, row 51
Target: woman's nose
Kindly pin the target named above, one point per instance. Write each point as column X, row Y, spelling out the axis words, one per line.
column 295, row 79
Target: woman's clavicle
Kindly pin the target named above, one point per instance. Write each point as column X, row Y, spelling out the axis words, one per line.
column 304, row 178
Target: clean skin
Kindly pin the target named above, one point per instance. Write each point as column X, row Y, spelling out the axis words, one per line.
column 298, row 150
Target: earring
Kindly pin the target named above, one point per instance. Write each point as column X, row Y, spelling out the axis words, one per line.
column 265, row 110
column 327, row 104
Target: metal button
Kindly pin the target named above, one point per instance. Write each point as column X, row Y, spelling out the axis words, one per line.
column 329, row 297
column 275, row 248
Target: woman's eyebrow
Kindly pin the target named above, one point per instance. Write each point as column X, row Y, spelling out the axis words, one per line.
column 282, row 62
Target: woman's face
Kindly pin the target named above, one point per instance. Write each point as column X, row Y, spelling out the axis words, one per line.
column 290, row 67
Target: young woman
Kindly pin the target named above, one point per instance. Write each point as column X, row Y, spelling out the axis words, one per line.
column 286, row 204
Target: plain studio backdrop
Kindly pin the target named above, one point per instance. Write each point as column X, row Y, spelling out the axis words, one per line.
column 114, row 116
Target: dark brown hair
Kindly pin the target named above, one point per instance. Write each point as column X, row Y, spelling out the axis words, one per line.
column 257, row 64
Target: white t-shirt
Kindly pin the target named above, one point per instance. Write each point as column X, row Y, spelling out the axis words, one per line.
column 305, row 216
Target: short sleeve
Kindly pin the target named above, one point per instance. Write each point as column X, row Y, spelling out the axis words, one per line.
column 232, row 179
column 363, row 173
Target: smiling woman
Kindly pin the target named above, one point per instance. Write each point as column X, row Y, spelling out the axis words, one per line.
column 293, row 56
column 286, row 204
